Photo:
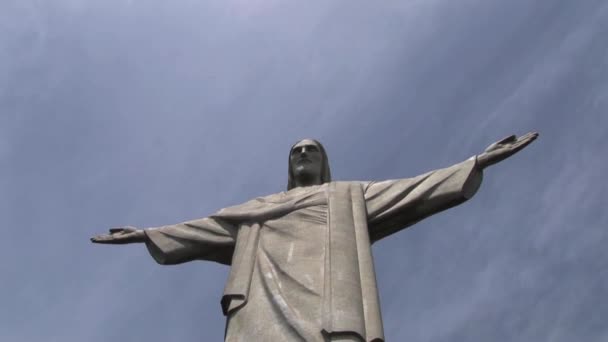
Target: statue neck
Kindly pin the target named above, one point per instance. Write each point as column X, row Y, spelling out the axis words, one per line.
column 307, row 181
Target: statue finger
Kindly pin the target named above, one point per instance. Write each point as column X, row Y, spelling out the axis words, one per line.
column 510, row 138
column 527, row 139
column 528, row 136
column 495, row 146
column 490, row 148
column 520, row 145
column 533, row 136
column 102, row 238
column 125, row 229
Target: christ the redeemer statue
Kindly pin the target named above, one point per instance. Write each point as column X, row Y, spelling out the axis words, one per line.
column 301, row 261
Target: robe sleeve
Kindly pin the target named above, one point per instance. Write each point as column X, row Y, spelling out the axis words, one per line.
column 393, row 205
column 208, row 238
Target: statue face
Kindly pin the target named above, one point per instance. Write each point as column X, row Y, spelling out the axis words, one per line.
column 306, row 161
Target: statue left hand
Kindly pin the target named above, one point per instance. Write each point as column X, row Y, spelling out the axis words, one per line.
column 121, row 236
column 504, row 148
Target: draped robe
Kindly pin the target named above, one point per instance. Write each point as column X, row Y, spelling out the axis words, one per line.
column 301, row 262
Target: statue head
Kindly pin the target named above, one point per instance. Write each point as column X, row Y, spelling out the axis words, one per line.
column 308, row 164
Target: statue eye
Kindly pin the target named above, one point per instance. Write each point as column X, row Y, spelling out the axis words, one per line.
column 302, row 149
column 312, row 148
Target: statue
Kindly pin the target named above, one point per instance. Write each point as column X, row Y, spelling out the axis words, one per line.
column 301, row 262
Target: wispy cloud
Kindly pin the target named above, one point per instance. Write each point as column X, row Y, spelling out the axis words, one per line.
column 149, row 113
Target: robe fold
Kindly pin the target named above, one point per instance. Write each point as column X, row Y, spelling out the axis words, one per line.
column 301, row 261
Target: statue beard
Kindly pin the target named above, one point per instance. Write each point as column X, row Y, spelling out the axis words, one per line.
column 304, row 175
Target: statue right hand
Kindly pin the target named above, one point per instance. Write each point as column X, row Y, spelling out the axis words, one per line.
column 122, row 235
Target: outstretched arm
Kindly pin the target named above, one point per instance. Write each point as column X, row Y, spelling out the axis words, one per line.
column 208, row 238
column 393, row 205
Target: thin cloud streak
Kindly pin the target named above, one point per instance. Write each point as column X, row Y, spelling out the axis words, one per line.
column 150, row 113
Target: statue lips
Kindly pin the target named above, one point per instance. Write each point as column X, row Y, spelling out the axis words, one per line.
column 302, row 161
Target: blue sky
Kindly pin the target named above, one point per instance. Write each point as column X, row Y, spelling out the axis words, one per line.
column 148, row 113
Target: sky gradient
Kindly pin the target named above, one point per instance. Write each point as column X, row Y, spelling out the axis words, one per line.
column 146, row 113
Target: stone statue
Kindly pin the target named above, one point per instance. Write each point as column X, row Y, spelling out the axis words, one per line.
column 301, row 261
